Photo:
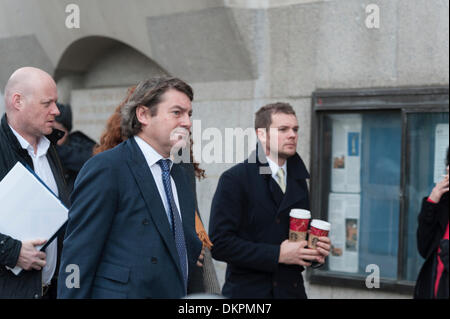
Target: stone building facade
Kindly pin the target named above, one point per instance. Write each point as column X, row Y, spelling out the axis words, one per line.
column 237, row 54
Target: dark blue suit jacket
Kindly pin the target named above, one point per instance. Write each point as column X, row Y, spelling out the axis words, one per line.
column 249, row 221
column 118, row 233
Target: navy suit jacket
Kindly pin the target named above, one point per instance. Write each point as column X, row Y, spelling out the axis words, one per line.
column 118, row 234
column 249, row 221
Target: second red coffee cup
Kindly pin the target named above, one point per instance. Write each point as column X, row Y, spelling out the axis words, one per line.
column 319, row 228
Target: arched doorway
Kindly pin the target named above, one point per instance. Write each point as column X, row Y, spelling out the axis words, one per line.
column 94, row 74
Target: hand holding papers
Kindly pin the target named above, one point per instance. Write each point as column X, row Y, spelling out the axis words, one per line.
column 29, row 210
column 31, row 258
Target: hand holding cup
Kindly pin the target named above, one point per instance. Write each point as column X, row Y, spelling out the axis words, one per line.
column 318, row 239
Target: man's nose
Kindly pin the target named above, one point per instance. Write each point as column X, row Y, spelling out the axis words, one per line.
column 55, row 110
column 186, row 122
column 292, row 134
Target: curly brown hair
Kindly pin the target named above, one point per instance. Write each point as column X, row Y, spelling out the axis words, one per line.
column 113, row 136
column 149, row 93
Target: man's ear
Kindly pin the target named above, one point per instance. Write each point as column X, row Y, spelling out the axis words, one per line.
column 17, row 101
column 261, row 133
column 263, row 137
column 142, row 114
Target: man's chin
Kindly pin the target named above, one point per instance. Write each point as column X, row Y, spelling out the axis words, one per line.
column 47, row 131
column 179, row 144
column 180, row 152
column 287, row 154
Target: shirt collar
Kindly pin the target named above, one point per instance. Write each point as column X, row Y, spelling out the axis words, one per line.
column 42, row 146
column 274, row 167
column 151, row 155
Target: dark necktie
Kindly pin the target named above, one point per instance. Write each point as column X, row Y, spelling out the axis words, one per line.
column 177, row 226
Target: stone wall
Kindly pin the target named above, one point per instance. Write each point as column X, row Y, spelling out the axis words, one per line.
column 237, row 54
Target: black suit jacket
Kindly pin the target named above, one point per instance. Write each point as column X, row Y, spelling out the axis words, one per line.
column 249, row 221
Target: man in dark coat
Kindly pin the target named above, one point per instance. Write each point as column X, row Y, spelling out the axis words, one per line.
column 249, row 222
column 74, row 148
column 27, row 136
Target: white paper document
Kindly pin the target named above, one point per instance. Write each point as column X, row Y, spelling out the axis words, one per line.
column 28, row 209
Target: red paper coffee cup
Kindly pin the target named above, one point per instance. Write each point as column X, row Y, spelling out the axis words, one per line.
column 319, row 228
column 299, row 222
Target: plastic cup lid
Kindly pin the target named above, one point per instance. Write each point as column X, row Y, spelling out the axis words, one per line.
column 300, row 213
column 320, row 224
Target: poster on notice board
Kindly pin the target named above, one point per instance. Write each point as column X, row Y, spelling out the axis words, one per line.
column 344, row 216
column 346, row 154
column 440, row 151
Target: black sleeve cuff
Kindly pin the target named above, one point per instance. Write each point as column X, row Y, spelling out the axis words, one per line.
column 9, row 251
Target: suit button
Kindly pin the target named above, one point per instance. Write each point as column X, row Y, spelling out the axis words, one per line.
column 154, row 260
column 145, row 222
column 278, row 220
column 275, row 284
column 295, row 285
column 36, row 296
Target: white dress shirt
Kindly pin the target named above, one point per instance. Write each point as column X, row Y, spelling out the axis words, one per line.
column 43, row 170
column 274, row 168
column 152, row 157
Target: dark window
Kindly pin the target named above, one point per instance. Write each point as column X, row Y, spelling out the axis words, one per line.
column 378, row 153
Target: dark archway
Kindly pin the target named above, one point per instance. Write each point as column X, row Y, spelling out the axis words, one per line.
column 85, row 54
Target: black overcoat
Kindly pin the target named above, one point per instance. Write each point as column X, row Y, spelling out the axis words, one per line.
column 249, row 221
column 29, row 283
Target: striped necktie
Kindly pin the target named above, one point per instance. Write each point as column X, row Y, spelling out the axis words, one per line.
column 177, row 226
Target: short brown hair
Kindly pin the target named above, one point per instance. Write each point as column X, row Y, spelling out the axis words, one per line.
column 263, row 117
column 148, row 93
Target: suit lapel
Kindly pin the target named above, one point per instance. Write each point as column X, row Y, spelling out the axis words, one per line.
column 294, row 193
column 259, row 157
column 150, row 194
column 187, row 205
column 183, row 197
column 296, row 171
column 275, row 191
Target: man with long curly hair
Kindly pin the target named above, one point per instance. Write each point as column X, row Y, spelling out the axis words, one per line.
column 202, row 279
column 131, row 229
